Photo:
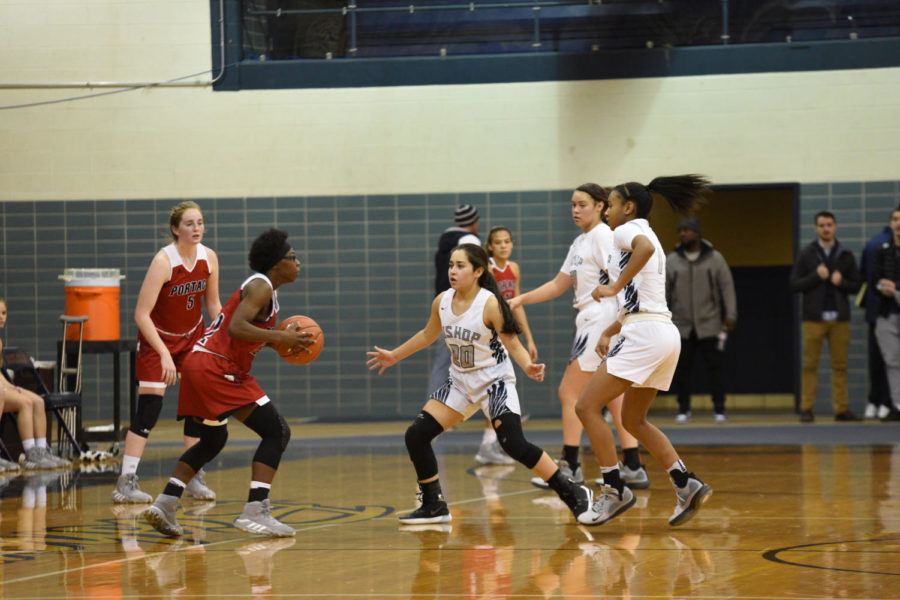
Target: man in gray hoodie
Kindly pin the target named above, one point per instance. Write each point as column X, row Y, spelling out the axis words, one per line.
column 700, row 294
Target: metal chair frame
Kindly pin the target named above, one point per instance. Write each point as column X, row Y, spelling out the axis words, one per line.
column 60, row 403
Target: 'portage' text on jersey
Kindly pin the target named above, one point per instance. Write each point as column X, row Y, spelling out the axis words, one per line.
column 191, row 287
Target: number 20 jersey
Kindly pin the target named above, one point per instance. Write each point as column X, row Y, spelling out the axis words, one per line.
column 473, row 345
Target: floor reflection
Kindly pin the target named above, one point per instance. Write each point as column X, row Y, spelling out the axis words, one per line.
column 807, row 521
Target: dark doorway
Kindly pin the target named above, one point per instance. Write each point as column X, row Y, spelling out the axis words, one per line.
column 755, row 229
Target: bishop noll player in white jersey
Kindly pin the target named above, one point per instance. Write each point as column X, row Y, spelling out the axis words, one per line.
column 481, row 333
column 642, row 360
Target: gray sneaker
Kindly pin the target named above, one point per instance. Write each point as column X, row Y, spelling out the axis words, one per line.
column 690, row 498
column 57, row 460
column 576, row 477
column 36, row 459
column 636, row 479
column 161, row 515
column 607, row 506
column 257, row 518
column 128, row 492
column 8, row 465
column 493, row 454
column 197, row 488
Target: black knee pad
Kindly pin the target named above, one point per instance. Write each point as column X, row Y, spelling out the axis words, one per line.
column 269, row 425
column 418, row 443
column 424, row 429
column 148, row 408
column 192, row 428
column 512, row 440
column 212, row 440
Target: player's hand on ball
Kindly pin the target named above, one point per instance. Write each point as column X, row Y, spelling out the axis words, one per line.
column 380, row 358
column 293, row 337
column 535, row 371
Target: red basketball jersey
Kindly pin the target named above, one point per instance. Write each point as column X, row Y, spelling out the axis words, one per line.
column 216, row 339
column 506, row 280
column 179, row 306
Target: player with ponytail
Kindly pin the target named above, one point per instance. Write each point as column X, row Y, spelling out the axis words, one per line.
column 642, row 361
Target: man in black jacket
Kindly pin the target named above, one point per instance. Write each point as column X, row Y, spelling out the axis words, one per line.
column 825, row 273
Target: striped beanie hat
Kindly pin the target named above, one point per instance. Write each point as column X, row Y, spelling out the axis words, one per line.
column 465, row 214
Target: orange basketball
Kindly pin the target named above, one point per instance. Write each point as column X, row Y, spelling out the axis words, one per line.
column 298, row 355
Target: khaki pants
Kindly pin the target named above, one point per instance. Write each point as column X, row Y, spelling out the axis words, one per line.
column 814, row 334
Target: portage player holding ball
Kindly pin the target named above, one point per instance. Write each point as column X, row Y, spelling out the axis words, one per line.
column 216, row 384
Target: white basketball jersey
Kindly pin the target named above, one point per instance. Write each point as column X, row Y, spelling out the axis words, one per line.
column 647, row 291
column 586, row 263
column 472, row 344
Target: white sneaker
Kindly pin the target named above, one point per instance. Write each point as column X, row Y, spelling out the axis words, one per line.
column 161, row 515
column 633, row 478
column 197, row 488
column 493, row 454
column 871, row 411
column 689, row 500
column 636, row 479
column 720, row 418
column 883, row 411
column 607, row 506
column 683, row 417
column 127, row 491
column 257, row 518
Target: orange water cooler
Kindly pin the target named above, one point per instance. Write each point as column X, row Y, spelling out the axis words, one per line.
column 93, row 293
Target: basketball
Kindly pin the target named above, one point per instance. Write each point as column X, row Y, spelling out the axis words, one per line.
column 299, row 356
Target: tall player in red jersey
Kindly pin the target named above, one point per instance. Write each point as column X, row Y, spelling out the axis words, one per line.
column 170, row 320
column 216, row 384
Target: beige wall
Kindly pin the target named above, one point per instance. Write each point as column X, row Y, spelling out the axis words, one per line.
column 192, row 142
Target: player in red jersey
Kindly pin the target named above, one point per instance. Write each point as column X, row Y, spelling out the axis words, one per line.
column 499, row 247
column 170, row 320
column 216, row 384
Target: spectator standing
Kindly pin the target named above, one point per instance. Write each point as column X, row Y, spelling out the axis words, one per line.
column 879, row 405
column 884, row 280
column 700, row 294
column 825, row 273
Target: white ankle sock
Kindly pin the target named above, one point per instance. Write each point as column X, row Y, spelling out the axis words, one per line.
column 489, row 436
column 130, row 464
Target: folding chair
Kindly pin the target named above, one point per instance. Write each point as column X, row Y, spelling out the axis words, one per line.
column 65, row 405
column 8, row 420
column 18, row 361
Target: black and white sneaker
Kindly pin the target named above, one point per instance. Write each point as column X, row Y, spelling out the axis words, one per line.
column 431, row 510
column 578, row 499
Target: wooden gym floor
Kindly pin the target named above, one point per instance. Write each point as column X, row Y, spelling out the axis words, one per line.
column 799, row 512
